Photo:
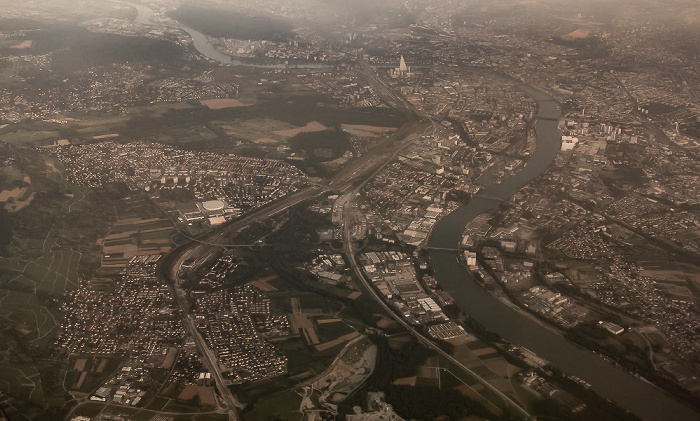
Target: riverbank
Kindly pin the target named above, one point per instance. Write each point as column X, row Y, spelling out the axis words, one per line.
column 200, row 41
column 509, row 321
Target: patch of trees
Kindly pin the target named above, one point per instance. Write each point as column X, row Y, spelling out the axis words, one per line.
column 301, row 227
column 429, row 403
column 422, row 402
column 222, row 23
column 5, row 232
column 458, row 196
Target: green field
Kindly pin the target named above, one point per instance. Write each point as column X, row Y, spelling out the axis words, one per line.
column 284, row 404
column 55, row 273
column 32, row 320
column 330, row 331
column 21, row 381
column 158, row 403
column 89, row 409
column 175, row 406
column 310, row 302
column 188, row 135
column 27, row 137
column 490, row 398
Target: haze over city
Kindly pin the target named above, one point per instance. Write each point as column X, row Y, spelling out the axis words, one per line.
column 349, row 210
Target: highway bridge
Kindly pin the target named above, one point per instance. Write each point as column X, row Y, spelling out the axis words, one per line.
column 362, row 170
column 443, row 249
column 349, row 251
column 204, row 247
column 542, row 117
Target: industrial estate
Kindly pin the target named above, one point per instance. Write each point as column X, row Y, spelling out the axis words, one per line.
column 304, row 210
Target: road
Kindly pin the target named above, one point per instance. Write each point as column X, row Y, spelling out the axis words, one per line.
column 385, row 92
column 347, row 202
column 350, row 180
column 650, row 124
column 209, row 244
column 350, row 254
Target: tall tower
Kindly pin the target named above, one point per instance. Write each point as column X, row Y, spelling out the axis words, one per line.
column 402, row 66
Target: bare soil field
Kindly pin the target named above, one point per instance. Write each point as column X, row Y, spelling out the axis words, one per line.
column 219, row 103
column 330, row 344
column 80, row 364
column 366, row 131
column 262, row 283
column 19, row 204
column 577, row 34
column 14, row 193
column 324, row 321
column 106, row 136
column 24, row 45
column 313, row 126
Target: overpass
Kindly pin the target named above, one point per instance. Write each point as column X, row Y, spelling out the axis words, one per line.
column 506, row 401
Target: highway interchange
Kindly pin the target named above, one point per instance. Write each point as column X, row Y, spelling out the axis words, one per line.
column 348, row 181
column 201, row 249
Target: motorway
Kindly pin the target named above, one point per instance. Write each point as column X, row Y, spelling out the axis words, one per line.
column 347, row 202
column 206, row 246
column 349, row 181
column 350, row 254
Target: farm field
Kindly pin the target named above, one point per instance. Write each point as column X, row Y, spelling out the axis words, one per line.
column 87, row 373
column 50, row 244
column 55, row 273
column 219, row 103
column 287, row 403
column 21, row 381
column 365, row 130
column 313, row 126
column 27, row 137
column 255, row 129
column 31, row 320
column 134, row 236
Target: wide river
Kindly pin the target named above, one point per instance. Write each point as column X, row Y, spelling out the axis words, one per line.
column 202, row 44
column 636, row 395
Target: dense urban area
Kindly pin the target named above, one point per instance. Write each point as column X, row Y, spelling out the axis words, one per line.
column 305, row 210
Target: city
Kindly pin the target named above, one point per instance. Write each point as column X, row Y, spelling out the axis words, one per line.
column 411, row 210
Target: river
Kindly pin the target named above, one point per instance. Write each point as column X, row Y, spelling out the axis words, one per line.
column 202, row 44
column 636, row 395
column 640, row 397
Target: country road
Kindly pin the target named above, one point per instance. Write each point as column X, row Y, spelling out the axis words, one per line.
column 350, row 254
column 202, row 248
column 348, row 181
